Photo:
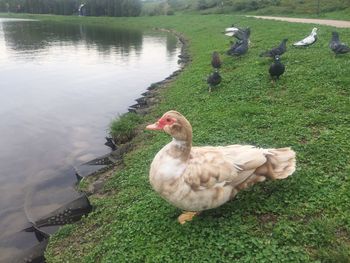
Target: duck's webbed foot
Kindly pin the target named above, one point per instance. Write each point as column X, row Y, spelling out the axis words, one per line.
column 186, row 216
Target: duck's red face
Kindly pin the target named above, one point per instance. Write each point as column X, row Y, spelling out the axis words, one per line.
column 161, row 123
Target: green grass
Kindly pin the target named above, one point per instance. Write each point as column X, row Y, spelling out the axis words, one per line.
column 338, row 9
column 305, row 218
column 279, row 11
column 340, row 15
column 337, row 15
column 122, row 129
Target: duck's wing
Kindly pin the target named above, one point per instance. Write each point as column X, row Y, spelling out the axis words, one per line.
column 210, row 167
column 271, row 53
column 280, row 49
column 306, row 41
column 342, row 48
column 229, row 34
column 230, row 31
column 334, row 44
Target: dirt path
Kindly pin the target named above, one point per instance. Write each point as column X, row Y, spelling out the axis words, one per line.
column 328, row 22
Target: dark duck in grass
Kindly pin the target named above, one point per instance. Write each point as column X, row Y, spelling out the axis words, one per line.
column 276, row 51
column 215, row 60
column 213, row 80
column 336, row 46
column 241, row 46
column 276, row 69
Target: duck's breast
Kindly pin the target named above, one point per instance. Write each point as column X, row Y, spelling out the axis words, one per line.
column 165, row 169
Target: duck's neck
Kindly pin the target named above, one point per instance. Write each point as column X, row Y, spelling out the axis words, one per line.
column 179, row 149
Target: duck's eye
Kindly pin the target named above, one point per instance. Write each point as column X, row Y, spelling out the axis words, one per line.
column 168, row 120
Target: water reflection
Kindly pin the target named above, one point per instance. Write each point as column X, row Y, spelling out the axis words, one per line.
column 171, row 45
column 61, row 85
column 36, row 36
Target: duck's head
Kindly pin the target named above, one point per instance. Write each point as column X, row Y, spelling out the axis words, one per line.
column 174, row 124
column 314, row 31
column 335, row 35
column 215, row 54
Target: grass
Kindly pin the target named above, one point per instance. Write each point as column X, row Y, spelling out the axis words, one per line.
column 305, row 218
column 338, row 10
column 274, row 11
column 122, row 129
column 340, row 15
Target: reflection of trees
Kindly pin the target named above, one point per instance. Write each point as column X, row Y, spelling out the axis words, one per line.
column 107, row 38
column 24, row 36
column 21, row 36
column 70, row 7
column 171, row 44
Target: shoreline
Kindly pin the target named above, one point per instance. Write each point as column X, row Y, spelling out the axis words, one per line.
column 101, row 168
column 131, row 223
column 93, row 174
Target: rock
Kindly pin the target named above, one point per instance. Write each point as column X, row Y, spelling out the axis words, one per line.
column 67, row 213
column 96, row 186
column 110, row 143
column 117, row 155
column 153, row 86
column 135, row 106
column 85, row 170
column 141, row 101
column 152, row 101
column 142, row 111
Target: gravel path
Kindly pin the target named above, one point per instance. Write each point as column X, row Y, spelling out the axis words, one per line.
column 328, row 22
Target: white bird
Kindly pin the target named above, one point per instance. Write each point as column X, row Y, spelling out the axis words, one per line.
column 309, row 40
column 239, row 33
column 200, row 178
column 231, row 31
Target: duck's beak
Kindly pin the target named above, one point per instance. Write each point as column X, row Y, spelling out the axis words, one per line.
column 154, row 127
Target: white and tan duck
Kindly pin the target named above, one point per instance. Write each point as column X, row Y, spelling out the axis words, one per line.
column 200, row 178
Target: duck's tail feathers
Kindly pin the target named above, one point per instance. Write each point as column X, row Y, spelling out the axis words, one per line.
column 281, row 163
column 346, row 49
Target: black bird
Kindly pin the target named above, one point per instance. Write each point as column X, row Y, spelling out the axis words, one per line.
column 245, row 34
column 215, row 60
column 213, row 80
column 336, row 46
column 239, row 48
column 276, row 51
column 277, row 68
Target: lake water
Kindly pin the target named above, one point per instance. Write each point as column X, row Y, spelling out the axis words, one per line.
column 61, row 85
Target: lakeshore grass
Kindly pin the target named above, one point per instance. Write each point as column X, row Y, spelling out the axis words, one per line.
column 122, row 129
column 305, row 218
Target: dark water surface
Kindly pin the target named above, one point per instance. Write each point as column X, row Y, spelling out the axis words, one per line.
column 61, row 85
